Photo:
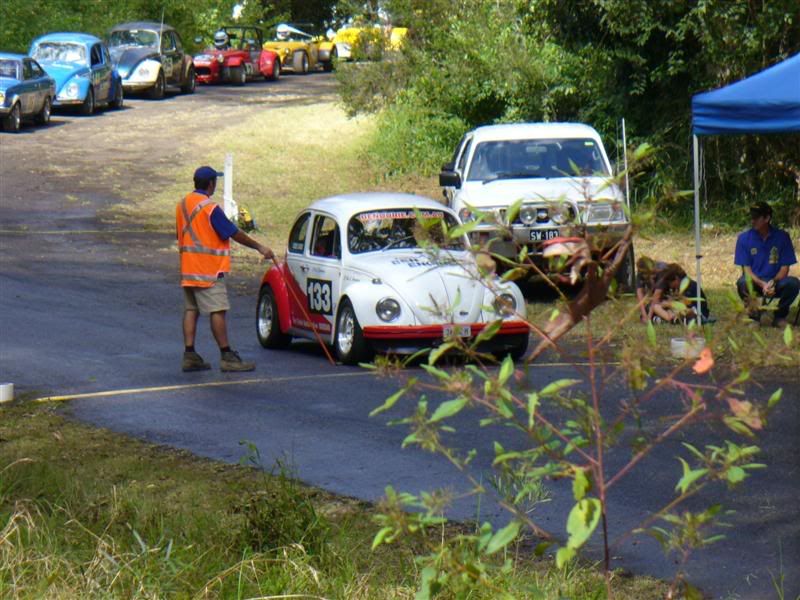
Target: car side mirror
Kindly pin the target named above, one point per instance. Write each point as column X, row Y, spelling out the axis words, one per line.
column 449, row 179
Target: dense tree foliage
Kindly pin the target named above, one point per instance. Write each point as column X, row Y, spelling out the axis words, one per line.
column 473, row 62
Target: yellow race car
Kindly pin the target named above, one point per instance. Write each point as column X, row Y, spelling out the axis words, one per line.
column 299, row 51
column 370, row 42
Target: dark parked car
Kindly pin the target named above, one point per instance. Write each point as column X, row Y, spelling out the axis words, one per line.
column 149, row 57
column 25, row 91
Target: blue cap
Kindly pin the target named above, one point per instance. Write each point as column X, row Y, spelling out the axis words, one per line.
column 207, row 173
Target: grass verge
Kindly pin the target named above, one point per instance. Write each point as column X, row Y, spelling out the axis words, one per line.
column 88, row 513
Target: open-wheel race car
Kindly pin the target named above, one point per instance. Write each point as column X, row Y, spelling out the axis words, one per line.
column 374, row 272
column 299, row 51
column 238, row 54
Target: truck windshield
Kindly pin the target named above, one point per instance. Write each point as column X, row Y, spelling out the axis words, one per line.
column 400, row 228
column 522, row 159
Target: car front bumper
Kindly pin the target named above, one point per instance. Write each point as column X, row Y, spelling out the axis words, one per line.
column 407, row 339
column 603, row 236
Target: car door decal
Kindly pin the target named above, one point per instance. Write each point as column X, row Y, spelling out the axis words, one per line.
column 320, row 296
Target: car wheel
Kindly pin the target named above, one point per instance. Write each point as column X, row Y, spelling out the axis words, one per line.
column 119, row 97
column 519, row 346
column 238, row 76
column 626, row 274
column 300, row 62
column 157, row 91
column 328, row 66
column 349, row 343
column 13, row 120
column 87, row 108
column 191, row 82
column 43, row 117
column 276, row 71
column 268, row 327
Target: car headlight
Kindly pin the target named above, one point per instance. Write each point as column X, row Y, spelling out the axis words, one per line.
column 527, row 214
column 388, row 309
column 143, row 72
column 2, row 97
column 505, row 304
column 604, row 212
column 71, row 91
column 561, row 213
column 220, row 58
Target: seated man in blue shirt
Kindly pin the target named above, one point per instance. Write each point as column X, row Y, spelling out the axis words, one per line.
column 765, row 254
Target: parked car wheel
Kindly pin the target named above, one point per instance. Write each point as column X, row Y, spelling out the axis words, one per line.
column 268, row 327
column 157, row 91
column 520, row 347
column 276, row 71
column 43, row 116
column 191, row 82
column 119, row 97
column 13, row 120
column 328, row 66
column 87, row 108
column 238, row 76
column 349, row 343
column 300, row 62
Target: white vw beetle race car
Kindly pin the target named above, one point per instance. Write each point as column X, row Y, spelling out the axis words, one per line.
column 361, row 273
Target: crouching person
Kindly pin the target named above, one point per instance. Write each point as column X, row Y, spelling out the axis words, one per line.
column 672, row 288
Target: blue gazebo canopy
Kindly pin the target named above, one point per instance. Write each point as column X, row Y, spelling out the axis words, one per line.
column 767, row 102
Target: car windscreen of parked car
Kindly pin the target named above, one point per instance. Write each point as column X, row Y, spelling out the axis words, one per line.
column 60, row 52
column 381, row 230
column 521, row 159
column 9, row 69
column 133, row 38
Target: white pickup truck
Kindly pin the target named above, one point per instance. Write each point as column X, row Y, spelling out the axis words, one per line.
column 561, row 173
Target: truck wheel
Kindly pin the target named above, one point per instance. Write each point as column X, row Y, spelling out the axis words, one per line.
column 300, row 62
column 349, row 343
column 43, row 116
column 238, row 76
column 268, row 329
column 157, row 91
column 626, row 274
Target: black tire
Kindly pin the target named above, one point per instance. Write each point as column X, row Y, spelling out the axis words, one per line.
column 349, row 343
column 87, row 108
column 276, row 71
column 13, row 121
column 626, row 274
column 519, row 347
column 238, row 76
column 119, row 97
column 191, row 82
column 268, row 328
column 157, row 91
column 300, row 62
column 328, row 66
column 43, row 116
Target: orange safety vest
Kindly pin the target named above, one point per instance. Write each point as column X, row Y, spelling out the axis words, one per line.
column 203, row 254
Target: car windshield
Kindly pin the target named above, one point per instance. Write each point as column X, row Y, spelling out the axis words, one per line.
column 65, row 52
column 9, row 68
column 400, row 228
column 143, row 38
column 522, row 159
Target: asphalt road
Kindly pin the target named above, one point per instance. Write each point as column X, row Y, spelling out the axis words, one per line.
column 88, row 305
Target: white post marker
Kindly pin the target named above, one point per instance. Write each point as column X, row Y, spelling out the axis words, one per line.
column 229, row 205
column 6, row 392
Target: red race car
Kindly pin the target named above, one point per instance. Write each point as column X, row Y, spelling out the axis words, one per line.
column 237, row 55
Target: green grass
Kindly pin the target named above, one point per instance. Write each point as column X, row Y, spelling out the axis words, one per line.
column 88, row 513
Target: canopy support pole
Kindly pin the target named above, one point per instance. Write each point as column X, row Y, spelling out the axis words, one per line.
column 698, row 256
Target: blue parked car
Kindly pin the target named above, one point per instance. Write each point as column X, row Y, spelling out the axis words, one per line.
column 81, row 65
column 25, row 91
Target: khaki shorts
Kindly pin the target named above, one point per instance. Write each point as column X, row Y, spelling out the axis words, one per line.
column 207, row 300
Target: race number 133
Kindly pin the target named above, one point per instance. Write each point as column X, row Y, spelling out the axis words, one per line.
column 319, row 296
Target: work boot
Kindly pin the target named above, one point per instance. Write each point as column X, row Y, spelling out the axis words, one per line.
column 231, row 361
column 192, row 361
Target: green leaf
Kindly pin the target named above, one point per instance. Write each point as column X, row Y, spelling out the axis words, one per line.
column 651, row 334
column 503, row 537
column 563, row 556
column 580, row 484
column 457, row 232
column 513, row 211
column 738, row 426
column 381, row 536
column 438, row 373
column 582, row 521
column 775, row 398
column 736, row 475
column 788, row 337
column 691, row 592
column 448, row 409
column 555, row 387
column 390, row 402
column 533, row 404
column 689, row 476
column 506, row 370
column 488, row 332
column 437, row 352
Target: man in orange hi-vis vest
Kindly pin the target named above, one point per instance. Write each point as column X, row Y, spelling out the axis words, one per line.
column 204, row 234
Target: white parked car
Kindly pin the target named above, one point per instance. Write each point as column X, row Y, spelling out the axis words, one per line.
column 359, row 269
column 561, row 173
